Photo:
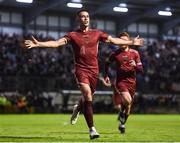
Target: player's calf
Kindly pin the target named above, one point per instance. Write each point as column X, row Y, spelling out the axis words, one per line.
column 121, row 117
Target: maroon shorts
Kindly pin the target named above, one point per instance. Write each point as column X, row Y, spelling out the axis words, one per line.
column 85, row 76
column 127, row 87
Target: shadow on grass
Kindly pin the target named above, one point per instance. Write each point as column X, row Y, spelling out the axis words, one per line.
column 69, row 132
column 17, row 137
column 40, row 139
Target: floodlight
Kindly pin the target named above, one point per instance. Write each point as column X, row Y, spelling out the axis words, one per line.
column 74, row 5
column 120, row 9
column 165, row 13
column 122, row 5
column 25, row 1
column 76, row 1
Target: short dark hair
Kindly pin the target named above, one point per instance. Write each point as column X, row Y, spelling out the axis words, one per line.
column 124, row 34
column 83, row 9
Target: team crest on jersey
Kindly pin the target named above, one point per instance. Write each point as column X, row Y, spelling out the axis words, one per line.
column 125, row 58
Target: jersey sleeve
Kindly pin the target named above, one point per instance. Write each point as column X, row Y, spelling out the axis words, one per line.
column 139, row 66
column 103, row 36
column 68, row 37
column 137, row 58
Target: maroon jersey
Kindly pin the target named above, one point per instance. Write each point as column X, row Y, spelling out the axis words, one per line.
column 85, row 46
column 126, row 72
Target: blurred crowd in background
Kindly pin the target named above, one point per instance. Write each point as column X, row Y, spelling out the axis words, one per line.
column 35, row 70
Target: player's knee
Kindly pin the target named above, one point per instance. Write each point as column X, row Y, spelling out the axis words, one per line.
column 117, row 107
column 86, row 91
column 88, row 99
column 87, row 96
column 127, row 101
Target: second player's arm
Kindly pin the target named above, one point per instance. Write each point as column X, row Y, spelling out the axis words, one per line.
column 138, row 63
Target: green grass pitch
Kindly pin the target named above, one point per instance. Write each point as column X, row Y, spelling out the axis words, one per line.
column 56, row 128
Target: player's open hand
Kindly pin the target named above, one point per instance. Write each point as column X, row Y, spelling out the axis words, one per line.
column 138, row 41
column 31, row 43
column 107, row 81
column 108, row 84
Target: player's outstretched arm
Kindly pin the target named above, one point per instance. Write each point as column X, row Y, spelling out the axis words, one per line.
column 34, row 43
column 118, row 41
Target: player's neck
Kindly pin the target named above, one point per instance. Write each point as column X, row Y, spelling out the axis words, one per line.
column 84, row 29
column 125, row 49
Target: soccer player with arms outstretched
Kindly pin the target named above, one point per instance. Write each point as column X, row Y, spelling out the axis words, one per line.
column 127, row 64
column 85, row 48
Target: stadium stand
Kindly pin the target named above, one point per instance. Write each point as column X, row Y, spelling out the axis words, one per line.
column 23, row 70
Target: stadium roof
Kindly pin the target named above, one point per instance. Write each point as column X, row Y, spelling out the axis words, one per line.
column 137, row 10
